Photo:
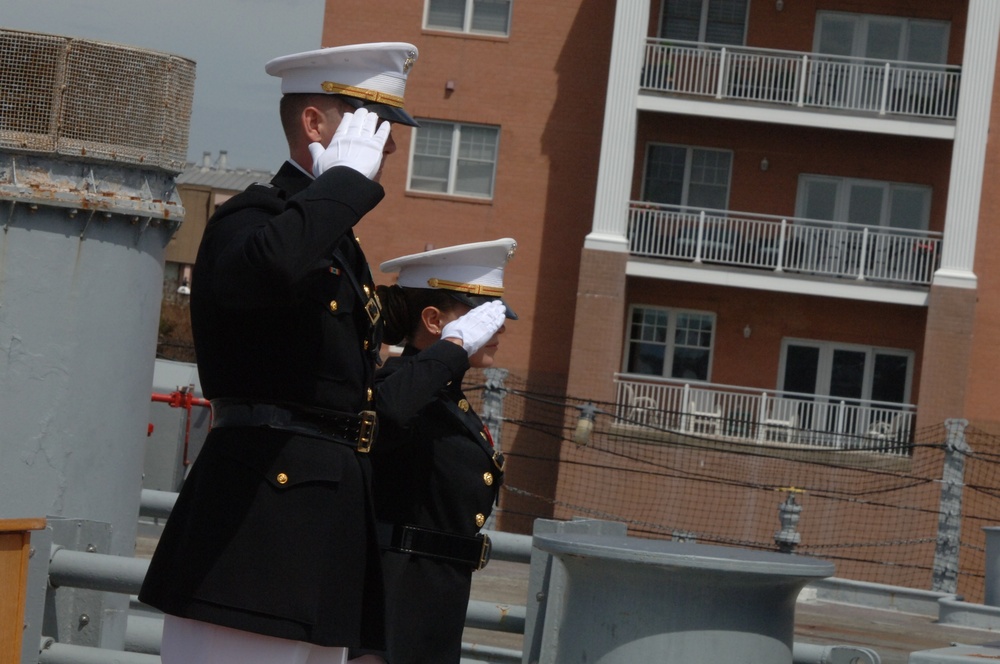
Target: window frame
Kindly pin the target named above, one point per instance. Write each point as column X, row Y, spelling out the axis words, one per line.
column 453, row 160
column 467, row 18
column 842, row 200
column 824, row 367
column 703, row 22
column 670, row 344
column 688, row 166
column 862, row 23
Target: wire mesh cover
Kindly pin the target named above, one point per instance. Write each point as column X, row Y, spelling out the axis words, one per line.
column 94, row 99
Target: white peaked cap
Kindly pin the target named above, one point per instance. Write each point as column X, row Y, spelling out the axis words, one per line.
column 373, row 73
column 474, row 270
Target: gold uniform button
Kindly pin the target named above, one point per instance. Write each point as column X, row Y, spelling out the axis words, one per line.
column 333, row 305
column 282, row 478
column 365, row 344
column 488, row 479
column 369, row 394
column 464, row 405
column 368, row 291
column 480, row 520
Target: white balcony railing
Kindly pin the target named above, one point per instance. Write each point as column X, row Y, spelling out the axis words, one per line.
column 779, row 418
column 802, row 79
column 805, row 246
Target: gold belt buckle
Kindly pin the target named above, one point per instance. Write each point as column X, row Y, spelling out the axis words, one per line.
column 368, row 430
column 499, row 461
column 484, row 553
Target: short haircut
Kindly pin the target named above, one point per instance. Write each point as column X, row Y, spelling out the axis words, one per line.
column 291, row 106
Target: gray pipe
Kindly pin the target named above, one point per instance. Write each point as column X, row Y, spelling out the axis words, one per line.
column 157, row 503
column 496, row 617
column 808, row 653
column 96, row 571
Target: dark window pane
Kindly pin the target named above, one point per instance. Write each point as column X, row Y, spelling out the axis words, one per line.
column 801, row 366
column 889, row 379
column 664, row 179
column 449, row 14
column 847, row 374
column 645, row 359
column 491, row 16
column 690, row 363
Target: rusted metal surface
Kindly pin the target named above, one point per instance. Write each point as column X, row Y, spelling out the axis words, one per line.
column 94, row 100
column 86, row 192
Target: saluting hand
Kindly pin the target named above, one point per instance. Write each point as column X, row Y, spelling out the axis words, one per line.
column 478, row 326
column 356, row 144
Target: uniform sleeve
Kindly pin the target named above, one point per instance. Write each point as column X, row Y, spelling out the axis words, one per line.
column 405, row 386
column 266, row 246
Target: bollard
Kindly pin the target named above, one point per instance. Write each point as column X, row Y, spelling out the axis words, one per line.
column 624, row 600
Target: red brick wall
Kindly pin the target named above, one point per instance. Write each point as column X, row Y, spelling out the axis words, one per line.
column 947, row 355
column 791, row 151
column 597, row 331
column 754, row 361
column 544, row 87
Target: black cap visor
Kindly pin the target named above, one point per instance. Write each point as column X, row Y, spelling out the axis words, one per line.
column 384, row 111
column 475, row 300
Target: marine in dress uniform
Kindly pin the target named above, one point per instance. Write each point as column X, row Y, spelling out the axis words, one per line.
column 273, row 532
column 437, row 474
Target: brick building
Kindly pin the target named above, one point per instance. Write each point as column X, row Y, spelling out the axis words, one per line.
column 775, row 207
column 763, row 220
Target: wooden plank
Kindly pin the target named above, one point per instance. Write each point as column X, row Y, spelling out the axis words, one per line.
column 21, row 525
column 15, row 545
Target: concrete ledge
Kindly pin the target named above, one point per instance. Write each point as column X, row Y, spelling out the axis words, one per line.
column 953, row 611
column 879, row 596
column 967, row 654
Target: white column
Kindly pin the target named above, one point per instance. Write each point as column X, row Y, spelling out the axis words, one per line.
column 614, row 174
column 969, row 151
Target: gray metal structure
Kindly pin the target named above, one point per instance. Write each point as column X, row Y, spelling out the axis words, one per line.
column 92, row 135
column 618, row 600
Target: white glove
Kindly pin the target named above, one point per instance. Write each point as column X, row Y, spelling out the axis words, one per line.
column 356, row 143
column 478, row 326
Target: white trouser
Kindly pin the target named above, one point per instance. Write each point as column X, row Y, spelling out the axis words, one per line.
column 195, row 642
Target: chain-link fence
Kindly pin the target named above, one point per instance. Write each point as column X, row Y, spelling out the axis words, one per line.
column 914, row 519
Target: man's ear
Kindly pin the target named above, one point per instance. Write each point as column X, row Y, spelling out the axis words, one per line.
column 313, row 120
column 431, row 318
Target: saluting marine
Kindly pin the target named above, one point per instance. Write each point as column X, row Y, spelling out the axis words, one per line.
column 437, row 474
column 270, row 554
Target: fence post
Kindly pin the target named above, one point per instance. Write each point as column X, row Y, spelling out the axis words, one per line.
column 493, row 396
column 945, row 575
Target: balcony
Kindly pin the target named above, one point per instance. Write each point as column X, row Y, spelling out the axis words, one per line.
column 779, row 419
column 826, row 249
column 802, row 80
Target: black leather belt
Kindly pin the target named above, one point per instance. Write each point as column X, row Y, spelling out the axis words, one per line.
column 358, row 431
column 464, row 549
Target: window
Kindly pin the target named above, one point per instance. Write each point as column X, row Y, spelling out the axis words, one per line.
column 709, row 21
column 488, row 17
column 686, row 176
column 882, row 37
column 868, row 202
column 452, row 158
column 670, row 342
column 846, row 372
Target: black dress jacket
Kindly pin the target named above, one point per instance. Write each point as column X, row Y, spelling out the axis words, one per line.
column 273, row 532
column 433, row 468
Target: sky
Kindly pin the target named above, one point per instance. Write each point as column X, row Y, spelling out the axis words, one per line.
column 235, row 102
